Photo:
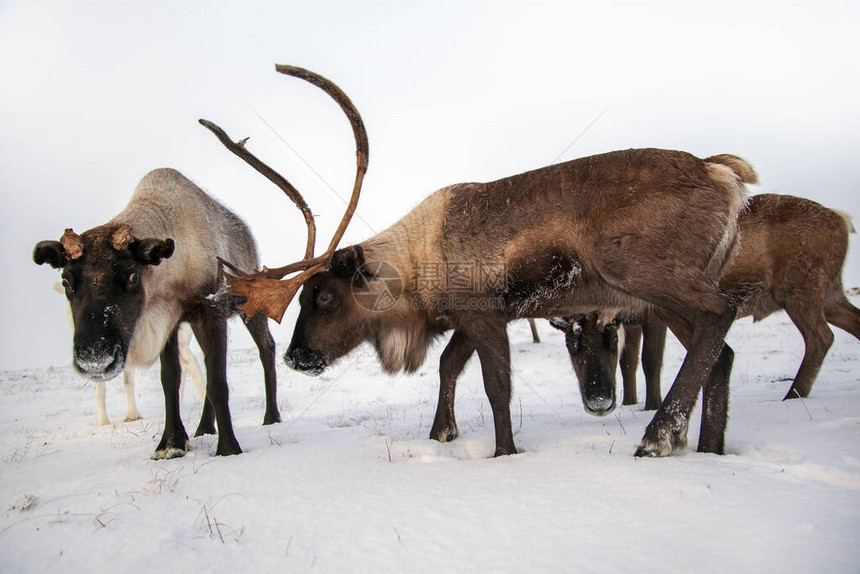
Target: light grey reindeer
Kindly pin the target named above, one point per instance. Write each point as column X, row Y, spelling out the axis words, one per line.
column 131, row 281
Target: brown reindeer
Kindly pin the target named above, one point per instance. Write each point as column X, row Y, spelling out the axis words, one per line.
column 594, row 342
column 621, row 230
column 597, row 345
column 132, row 280
column 791, row 255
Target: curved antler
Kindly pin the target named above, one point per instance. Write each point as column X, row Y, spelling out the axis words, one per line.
column 264, row 291
column 361, row 146
column 239, row 149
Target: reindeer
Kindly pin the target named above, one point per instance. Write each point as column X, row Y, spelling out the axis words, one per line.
column 132, row 280
column 622, row 230
column 791, row 255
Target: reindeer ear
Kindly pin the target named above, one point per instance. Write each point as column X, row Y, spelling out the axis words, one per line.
column 345, row 262
column 152, row 251
column 50, row 252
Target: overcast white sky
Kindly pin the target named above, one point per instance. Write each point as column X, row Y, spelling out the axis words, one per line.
column 97, row 93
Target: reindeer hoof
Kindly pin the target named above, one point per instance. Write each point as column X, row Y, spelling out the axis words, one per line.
column 171, row 452
column 204, row 429
column 172, row 445
column 794, row 394
column 665, row 443
column 132, row 418
column 444, row 434
column 665, row 434
column 501, row 451
column 228, row 450
column 168, row 453
column 716, row 448
column 646, row 449
column 271, row 419
column 227, row 445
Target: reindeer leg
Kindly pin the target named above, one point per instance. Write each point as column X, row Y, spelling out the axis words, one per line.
column 840, row 312
column 189, row 364
column 207, row 420
column 630, row 362
column 258, row 326
column 715, row 404
column 653, row 346
column 451, row 364
column 535, row 334
column 207, row 416
column 705, row 335
column 211, row 332
column 99, row 387
column 715, row 390
column 131, row 414
column 817, row 337
column 174, row 441
column 490, row 338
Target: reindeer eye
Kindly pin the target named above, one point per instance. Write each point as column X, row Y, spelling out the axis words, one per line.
column 67, row 285
column 324, row 297
column 133, row 279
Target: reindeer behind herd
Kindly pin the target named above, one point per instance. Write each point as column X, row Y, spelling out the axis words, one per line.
column 790, row 258
column 622, row 232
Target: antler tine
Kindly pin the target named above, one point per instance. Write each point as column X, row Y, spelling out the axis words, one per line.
column 239, row 149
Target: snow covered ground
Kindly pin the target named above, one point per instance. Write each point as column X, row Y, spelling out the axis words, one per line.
column 349, row 481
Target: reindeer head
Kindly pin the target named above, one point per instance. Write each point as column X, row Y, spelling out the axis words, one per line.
column 103, row 277
column 342, row 307
column 592, row 343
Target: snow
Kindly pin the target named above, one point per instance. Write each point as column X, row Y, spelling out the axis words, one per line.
column 350, row 482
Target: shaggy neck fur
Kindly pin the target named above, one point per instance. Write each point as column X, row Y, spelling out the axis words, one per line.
column 404, row 334
column 403, row 345
column 151, row 332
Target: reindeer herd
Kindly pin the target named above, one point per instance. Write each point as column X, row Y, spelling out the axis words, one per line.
column 607, row 247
